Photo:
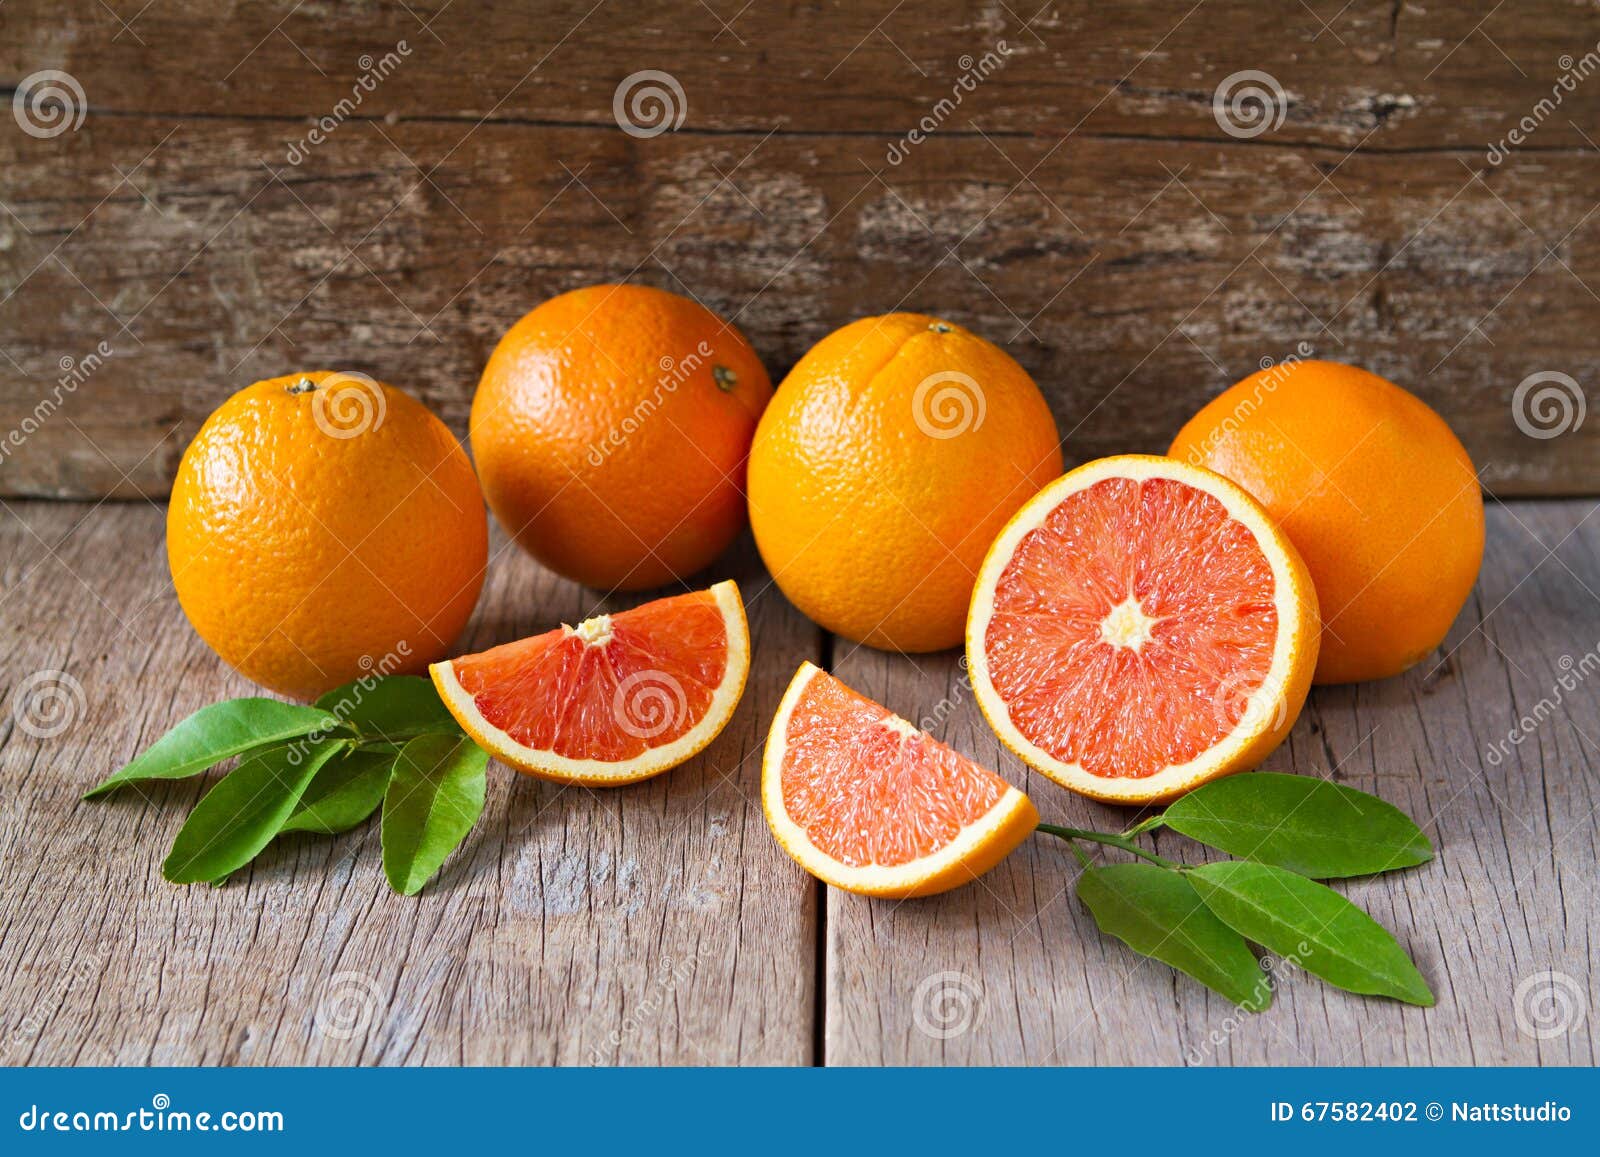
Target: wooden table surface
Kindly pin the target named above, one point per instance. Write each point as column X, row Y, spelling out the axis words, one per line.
column 660, row 923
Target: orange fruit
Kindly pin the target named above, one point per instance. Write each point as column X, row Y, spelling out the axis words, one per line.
column 864, row 801
column 1140, row 627
column 890, row 456
column 1371, row 486
column 324, row 527
column 611, row 429
column 616, row 699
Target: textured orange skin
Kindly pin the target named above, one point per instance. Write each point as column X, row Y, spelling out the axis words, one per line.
column 306, row 560
column 871, row 526
column 592, row 460
column 1374, row 490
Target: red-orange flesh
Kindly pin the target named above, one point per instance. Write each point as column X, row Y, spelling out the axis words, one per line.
column 614, row 700
column 867, row 792
column 1118, row 710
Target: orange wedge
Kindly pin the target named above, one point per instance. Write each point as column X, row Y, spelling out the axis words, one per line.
column 864, row 801
column 1141, row 626
column 616, row 699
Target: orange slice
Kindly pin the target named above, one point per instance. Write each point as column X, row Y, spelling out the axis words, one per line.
column 864, row 801
column 616, row 699
column 1141, row 626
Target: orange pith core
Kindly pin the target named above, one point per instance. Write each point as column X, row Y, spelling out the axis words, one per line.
column 610, row 689
column 1132, row 626
column 868, row 788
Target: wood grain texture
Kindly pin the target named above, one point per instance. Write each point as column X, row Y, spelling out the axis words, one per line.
column 646, row 925
column 1082, row 205
column 1011, row 969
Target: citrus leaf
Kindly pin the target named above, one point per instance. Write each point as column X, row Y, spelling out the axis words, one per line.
column 1155, row 912
column 1309, row 825
column 435, row 795
column 219, row 732
column 393, row 708
column 345, row 792
column 1310, row 925
column 240, row 815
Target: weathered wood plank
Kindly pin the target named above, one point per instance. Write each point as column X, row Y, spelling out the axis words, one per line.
column 1430, row 75
column 1134, row 266
column 652, row 924
column 1026, row 978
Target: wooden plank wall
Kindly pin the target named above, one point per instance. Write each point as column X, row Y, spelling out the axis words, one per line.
column 1081, row 204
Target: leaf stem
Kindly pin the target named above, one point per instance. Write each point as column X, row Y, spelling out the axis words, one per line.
column 1148, row 824
column 1108, row 838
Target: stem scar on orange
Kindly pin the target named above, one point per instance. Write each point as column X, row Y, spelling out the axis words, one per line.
column 325, row 526
column 1373, row 488
column 889, row 459
column 611, row 429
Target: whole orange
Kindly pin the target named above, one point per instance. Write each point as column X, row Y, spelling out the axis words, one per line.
column 1374, row 490
column 889, row 459
column 611, row 429
column 324, row 527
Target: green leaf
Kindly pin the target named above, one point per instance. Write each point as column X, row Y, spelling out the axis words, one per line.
column 1154, row 911
column 345, row 792
column 394, row 707
column 219, row 732
column 239, row 816
column 435, row 796
column 1300, row 822
column 1309, row 925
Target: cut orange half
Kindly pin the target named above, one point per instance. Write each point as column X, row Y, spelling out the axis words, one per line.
column 1140, row 627
column 616, row 699
column 864, row 801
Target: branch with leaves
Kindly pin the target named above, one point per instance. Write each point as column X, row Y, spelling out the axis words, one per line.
column 379, row 742
column 1291, row 831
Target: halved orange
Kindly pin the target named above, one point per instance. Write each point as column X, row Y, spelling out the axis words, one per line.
column 1141, row 626
column 864, row 801
column 616, row 699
